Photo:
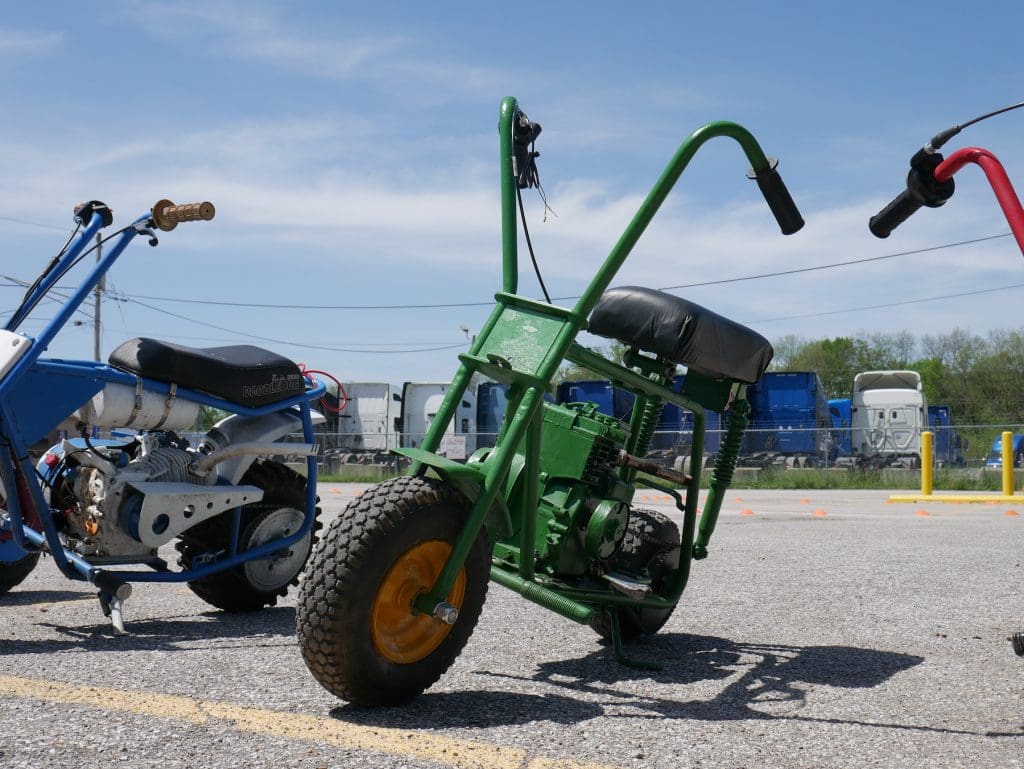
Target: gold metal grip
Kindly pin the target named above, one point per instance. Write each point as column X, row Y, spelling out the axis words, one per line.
column 166, row 215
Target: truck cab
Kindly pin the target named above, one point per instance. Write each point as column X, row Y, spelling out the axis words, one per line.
column 994, row 460
column 888, row 414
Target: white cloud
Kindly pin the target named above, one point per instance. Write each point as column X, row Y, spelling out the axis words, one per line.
column 246, row 32
column 15, row 42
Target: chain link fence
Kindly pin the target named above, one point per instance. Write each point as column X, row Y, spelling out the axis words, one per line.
column 969, row 446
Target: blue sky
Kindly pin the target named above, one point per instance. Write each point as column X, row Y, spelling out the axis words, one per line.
column 351, row 151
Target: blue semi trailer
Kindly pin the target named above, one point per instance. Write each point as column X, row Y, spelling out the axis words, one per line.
column 790, row 421
column 491, row 403
column 673, row 436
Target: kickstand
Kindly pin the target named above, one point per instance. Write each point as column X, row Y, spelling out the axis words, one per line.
column 112, row 607
column 617, row 647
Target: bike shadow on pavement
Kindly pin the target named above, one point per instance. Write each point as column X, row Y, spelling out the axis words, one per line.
column 758, row 681
column 702, row 678
column 272, row 626
column 30, row 597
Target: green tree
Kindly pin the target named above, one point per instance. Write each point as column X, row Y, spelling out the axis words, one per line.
column 836, row 361
column 570, row 372
column 208, row 417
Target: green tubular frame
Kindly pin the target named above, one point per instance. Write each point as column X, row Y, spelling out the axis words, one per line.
column 528, row 381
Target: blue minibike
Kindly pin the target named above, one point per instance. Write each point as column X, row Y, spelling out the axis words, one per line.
column 242, row 518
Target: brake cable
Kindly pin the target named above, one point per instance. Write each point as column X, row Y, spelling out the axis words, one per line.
column 524, row 139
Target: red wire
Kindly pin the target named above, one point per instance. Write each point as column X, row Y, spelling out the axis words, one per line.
column 342, row 395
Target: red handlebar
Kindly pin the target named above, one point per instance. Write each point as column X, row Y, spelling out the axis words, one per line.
column 997, row 177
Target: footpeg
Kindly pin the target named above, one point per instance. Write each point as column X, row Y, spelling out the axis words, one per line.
column 634, row 588
column 113, row 607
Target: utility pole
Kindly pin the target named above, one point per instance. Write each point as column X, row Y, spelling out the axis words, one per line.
column 97, row 295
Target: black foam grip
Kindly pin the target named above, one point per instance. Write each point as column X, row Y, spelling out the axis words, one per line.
column 893, row 215
column 780, row 201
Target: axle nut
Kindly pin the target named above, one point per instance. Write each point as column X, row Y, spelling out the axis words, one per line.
column 446, row 613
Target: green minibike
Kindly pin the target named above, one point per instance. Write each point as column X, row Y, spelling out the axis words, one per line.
column 396, row 585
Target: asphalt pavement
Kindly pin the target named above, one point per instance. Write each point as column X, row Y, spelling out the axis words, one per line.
column 825, row 629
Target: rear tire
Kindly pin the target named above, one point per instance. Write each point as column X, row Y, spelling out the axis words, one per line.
column 12, row 573
column 357, row 631
column 15, row 563
column 651, row 547
column 258, row 583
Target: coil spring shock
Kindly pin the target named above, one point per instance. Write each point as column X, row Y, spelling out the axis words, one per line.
column 729, row 451
column 648, row 422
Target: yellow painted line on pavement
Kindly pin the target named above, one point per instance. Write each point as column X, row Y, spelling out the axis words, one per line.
column 465, row 754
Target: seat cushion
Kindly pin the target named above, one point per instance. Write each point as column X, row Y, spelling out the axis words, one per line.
column 683, row 332
column 243, row 374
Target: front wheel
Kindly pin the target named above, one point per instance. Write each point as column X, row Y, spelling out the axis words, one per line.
column 358, row 632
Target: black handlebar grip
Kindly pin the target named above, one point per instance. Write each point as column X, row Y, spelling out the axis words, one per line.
column 893, row 215
column 167, row 216
column 778, row 198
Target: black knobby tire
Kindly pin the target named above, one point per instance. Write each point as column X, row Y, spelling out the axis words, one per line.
column 343, row 641
column 650, row 548
column 251, row 586
column 1018, row 644
column 12, row 573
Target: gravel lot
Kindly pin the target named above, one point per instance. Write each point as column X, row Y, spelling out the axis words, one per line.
column 826, row 629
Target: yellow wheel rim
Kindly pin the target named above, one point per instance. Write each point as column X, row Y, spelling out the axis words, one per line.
column 399, row 635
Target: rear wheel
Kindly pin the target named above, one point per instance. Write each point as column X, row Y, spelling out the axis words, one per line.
column 12, row 573
column 358, row 632
column 15, row 563
column 650, row 548
column 258, row 583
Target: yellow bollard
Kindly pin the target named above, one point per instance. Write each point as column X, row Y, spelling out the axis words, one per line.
column 1007, row 464
column 926, row 463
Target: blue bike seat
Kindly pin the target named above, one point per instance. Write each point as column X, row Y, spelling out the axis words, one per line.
column 682, row 332
column 246, row 375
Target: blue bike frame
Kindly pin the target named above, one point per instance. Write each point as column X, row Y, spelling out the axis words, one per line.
column 37, row 394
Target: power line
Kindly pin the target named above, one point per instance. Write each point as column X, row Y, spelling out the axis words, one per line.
column 837, row 264
column 758, row 276
column 33, row 224
column 136, row 300
column 738, row 279
column 287, row 342
column 890, row 304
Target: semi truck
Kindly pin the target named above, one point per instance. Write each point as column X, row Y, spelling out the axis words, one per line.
column 994, row 460
column 947, row 444
column 888, row 414
column 420, row 403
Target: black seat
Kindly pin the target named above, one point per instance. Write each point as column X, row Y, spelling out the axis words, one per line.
column 683, row 332
column 243, row 374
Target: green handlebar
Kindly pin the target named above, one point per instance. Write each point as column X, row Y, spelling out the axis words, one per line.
column 763, row 170
column 509, row 229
